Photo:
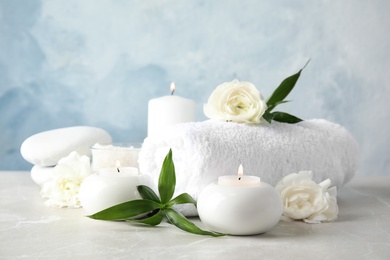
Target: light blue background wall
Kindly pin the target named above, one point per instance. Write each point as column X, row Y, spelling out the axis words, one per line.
column 97, row 63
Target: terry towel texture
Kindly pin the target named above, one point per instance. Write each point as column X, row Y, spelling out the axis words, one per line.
column 203, row 151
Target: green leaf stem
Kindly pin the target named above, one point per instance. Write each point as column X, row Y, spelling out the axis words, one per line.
column 182, row 199
column 283, row 90
column 285, row 117
column 152, row 219
column 268, row 116
column 177, row 219
column 126, row 210
column 277, row 98
column 148, row 193
column 271, row 107
column 167, row 179
column 151, row 209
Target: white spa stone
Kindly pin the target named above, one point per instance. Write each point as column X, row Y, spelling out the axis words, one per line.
column 41, row 175
column 47, row 148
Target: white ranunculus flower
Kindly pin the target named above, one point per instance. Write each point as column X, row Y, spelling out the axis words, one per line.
column 236, row 101
column 63, row 190
column 304, row 199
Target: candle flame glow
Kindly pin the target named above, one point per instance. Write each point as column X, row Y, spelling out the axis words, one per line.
column 173, row 88
column 240, row 171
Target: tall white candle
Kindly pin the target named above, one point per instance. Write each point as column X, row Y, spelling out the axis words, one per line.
column 169, row 110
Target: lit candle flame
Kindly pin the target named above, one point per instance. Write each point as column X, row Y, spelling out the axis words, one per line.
column 240, row 172
column 118, row 164
column 173, row 88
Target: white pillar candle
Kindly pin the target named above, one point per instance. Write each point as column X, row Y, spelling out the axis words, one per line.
column 106, row 156
column 109, row 187
column 169, row 110
column 239, row 205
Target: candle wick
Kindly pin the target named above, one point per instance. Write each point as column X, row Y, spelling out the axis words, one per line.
column 173, row 91
column 239, row 179
column 118, row 169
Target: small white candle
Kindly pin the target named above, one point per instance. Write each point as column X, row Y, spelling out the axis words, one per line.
column 106, row 156
column 239, row 205
column 109, row 187
column 169, row 110
column 239, row 180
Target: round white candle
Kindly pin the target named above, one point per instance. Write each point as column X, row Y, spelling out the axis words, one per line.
column 239, row 180
column 239, row 206
column 106, row 156
column 108, row 187
column 169, row 110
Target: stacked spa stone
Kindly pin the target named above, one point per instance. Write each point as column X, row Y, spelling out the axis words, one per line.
column 45, row 149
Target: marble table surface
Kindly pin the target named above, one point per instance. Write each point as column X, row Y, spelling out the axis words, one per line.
column 29, row 229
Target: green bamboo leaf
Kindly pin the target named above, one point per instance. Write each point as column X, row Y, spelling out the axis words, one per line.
column 167, row 179
column 126, row 210
column 153, row 219
column 148, row 193
column 276, row 104
column 181, row 222
column 181, row 199
column 284, row 89
column 268, row 116
column 285, row 118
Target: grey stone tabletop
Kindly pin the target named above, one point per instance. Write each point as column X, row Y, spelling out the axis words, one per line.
column 31, row 230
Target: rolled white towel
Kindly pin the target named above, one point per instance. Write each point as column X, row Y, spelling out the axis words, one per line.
column 203, row 151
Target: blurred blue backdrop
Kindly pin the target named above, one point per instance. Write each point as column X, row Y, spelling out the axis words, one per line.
column 97, row 63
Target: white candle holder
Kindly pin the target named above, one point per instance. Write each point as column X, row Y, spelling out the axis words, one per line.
column 108, row 156
column 111, row 186
column 247, row 209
